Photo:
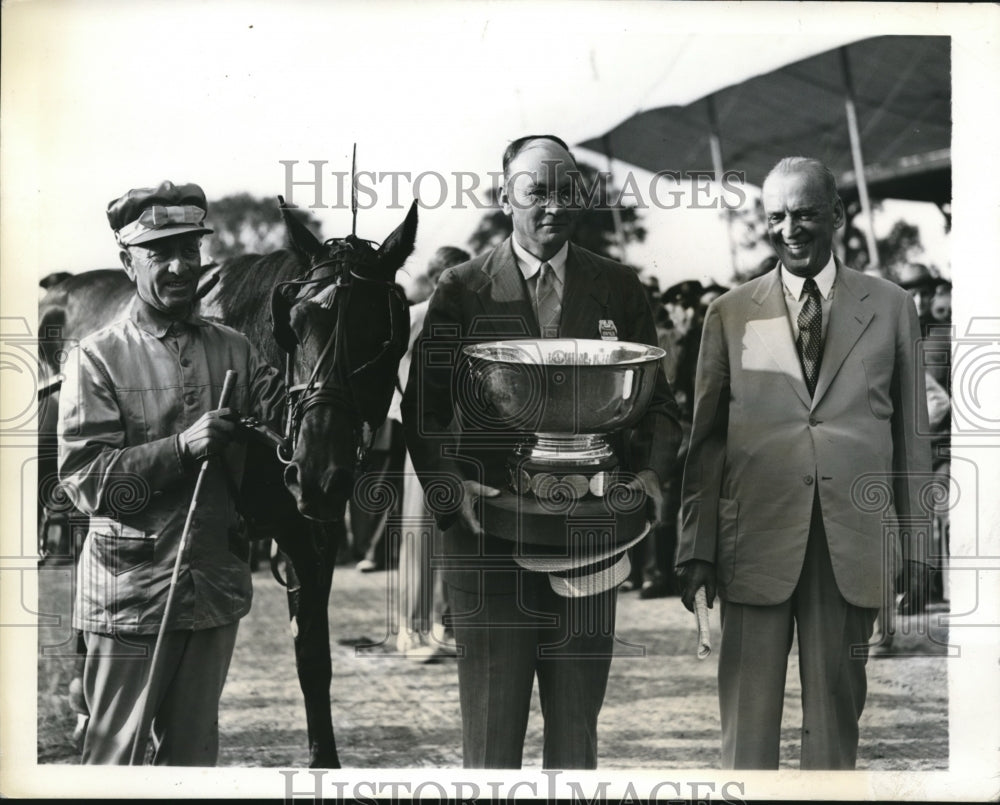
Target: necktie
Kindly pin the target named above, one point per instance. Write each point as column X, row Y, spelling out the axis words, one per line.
column 810, row 334
column 547, row 304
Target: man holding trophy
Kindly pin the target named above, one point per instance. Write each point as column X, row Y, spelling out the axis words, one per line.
column 517, row 617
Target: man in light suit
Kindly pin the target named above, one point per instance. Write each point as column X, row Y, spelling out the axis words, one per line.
column 511, row 624
column 809, row 404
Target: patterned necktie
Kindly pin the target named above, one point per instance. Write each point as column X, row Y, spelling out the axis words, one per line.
column 810, row 334
column 547, row 304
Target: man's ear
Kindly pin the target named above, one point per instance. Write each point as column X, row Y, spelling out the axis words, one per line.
column 504, row 200
column 126, row 257
column 839, row 216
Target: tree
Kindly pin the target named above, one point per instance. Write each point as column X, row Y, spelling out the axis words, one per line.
column 595, row 228
column 901, row 246
column 754, row 253
column 244, row 224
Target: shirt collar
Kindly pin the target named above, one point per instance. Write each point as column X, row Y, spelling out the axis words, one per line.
column 154, row 321
column 530, row 265
column 824, row 280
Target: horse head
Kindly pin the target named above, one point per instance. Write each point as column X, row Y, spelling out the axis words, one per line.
column 344, row 323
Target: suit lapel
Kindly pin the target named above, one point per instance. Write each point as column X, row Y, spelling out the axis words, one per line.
column 585, row 297
column 849, row 317
column 769, row 321
column 504, row 299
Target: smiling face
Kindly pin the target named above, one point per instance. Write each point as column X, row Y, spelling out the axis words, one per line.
column 539, row 194
column 801, row 219
column 165, row 272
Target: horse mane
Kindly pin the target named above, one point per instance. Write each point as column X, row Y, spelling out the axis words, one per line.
column 242, row 296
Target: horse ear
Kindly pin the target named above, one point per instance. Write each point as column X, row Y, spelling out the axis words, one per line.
column 399, row 245
column 299, row 236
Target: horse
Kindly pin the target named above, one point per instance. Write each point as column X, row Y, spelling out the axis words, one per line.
column 74, row 305
column 333, row 315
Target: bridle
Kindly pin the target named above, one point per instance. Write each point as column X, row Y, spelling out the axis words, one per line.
column 331, row 382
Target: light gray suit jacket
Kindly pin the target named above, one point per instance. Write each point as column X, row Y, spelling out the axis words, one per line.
column 761, row 448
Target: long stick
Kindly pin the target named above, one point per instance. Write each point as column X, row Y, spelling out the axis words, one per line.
column 145, row 711
column 701, row 613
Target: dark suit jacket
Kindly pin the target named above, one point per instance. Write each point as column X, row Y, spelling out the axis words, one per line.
column 761, row 448
column 486, row 299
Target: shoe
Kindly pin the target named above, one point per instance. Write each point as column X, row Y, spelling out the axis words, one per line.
column 415, row 646
column 367, row 566
column 443, row 641
column 77, row 702
column 626, row 586
column 654, row 589
column 881, row 645
column 911, row 605
column 881, row 650
column 80, row 731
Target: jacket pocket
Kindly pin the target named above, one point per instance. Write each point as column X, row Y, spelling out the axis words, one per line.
column 239, row 543
column 120, row 549
column 729, row 522
column 878, row 373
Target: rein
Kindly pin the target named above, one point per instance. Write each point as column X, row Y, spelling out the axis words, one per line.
column 327, row 388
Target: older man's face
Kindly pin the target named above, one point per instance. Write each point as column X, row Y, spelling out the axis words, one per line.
column 165, row 272
column 540, row 196
column 801, row 219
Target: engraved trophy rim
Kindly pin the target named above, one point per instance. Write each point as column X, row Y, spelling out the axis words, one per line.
column 565, row 352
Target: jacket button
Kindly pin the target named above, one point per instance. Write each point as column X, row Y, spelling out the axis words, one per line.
column 190, row 398
column 813, row 422
column 186, row 362
column 807, row 479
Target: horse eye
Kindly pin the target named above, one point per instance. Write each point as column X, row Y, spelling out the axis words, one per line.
column 297, row 317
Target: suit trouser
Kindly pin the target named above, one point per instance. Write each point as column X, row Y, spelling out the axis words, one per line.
column 421, row 588
column 833, row 650
column 186, row 703
column 504, row 641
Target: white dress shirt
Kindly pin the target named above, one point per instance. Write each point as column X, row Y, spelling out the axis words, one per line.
column 793, row 287
column 530, row 266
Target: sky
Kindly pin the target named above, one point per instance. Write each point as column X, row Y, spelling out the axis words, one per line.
column 104, row 96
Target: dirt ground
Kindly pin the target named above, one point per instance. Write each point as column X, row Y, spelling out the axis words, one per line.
column 660, row 712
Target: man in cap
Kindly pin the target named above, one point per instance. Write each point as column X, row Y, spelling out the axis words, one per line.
column 921, row 284
column 511, row 623
column 807, row 459
column 653, row 558
column 935, row 356
column 138, row 414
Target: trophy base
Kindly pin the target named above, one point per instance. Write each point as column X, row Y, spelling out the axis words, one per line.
column 554, row 467
column 545, row 528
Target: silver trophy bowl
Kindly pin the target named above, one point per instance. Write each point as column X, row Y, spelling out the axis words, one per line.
column 565, row 386
column 566, row 395
column 563, row 397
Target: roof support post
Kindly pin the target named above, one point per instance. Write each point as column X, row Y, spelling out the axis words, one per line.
column 616, row 215
column 858, row 160
column 715, row 146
